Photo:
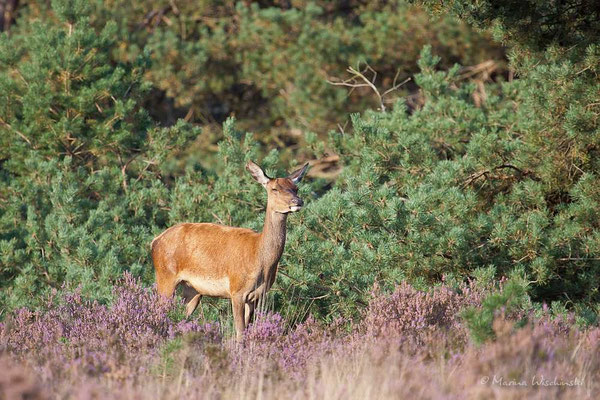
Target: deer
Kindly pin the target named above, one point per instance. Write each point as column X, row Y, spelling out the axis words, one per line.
column 234, row 263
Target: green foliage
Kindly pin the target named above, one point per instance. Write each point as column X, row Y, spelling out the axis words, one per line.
column 81, row 162
column 268, row 62
column 510, row 298
column 447, row 190
column 554, row 51
column 169, row 361
column 474, row 179
column 536, row 24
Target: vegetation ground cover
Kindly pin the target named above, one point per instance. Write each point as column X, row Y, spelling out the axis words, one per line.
column 119, row 120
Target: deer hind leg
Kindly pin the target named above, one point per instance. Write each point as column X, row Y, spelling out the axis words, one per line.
column 191, row 306
column 249, row 312
column 192, row 299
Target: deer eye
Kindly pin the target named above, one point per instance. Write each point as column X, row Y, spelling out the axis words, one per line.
column 273, row 189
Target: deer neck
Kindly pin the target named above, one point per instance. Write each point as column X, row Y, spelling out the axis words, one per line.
column 272, row 240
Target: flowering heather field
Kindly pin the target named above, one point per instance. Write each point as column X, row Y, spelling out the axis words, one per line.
column 408, row 344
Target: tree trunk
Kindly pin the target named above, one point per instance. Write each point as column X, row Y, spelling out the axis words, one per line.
column 7, row 12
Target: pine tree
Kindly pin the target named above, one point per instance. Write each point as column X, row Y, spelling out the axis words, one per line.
column 81, row 159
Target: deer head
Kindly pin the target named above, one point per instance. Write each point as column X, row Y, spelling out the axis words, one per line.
column 282, row 192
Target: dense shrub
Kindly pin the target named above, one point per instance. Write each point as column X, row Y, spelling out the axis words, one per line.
column 479, row 177
column 267, row 62
column 87, row 179
column 454, row 187
column 80, row 183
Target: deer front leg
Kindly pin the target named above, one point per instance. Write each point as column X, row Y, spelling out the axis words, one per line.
column 237, row 304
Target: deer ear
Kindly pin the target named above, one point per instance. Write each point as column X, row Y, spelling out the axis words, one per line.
column 257, row 173
column 297, row 175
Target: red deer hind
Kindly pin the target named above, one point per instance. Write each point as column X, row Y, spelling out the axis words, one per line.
column 228, row 262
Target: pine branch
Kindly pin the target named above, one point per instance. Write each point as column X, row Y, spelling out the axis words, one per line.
column 359, row 79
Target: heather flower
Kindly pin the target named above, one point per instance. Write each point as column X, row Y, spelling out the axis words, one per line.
column 408, row 312
column 407, row 343
column 95, row 337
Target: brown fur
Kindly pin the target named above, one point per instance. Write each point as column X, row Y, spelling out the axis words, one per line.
column 228, row 262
